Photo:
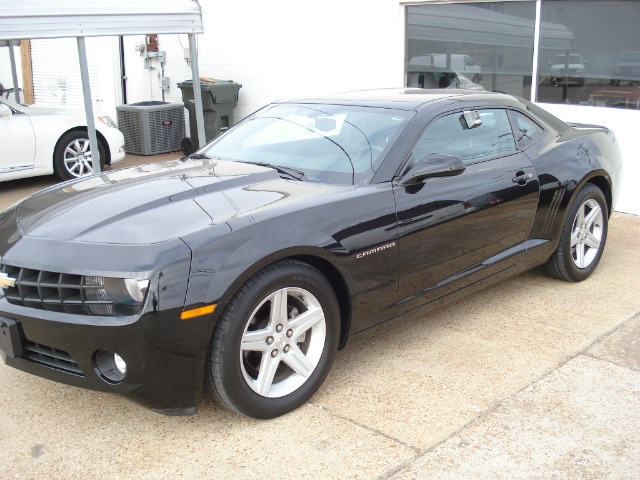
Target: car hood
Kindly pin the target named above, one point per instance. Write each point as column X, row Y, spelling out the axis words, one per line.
column 158, row 202
column 37, row 110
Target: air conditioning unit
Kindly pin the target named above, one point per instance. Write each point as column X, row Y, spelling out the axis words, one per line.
column 153, row 127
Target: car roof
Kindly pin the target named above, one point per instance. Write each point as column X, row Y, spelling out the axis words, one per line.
column 403, row 98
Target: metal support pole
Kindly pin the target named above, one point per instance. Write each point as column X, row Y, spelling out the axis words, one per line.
column 536, row 53
column 197, row 94
column 14, row 74
column 88, row 106
column 494, row 77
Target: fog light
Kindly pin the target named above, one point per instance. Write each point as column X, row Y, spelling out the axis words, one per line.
column 110, row 366
column 120, row 364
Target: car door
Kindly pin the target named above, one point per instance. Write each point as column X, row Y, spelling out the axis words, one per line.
column 456, row 230
column 17, row 140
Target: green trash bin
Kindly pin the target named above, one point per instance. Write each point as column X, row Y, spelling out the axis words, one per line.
column 219, row 99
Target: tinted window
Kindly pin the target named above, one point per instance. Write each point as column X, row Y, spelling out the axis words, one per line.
column 451, row 136
column 526, row 130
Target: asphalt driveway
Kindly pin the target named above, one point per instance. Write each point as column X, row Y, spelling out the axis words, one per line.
column 532, row 378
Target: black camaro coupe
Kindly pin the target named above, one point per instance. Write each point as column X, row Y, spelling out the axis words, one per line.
column 247, row 265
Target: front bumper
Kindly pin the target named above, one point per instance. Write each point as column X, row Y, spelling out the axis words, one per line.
column 115, row 141
column 165, row 356
column 572, row 77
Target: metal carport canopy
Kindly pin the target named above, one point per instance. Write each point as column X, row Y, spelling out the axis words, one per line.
column 31, row 19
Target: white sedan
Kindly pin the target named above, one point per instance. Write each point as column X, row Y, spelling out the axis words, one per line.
column 41, row 140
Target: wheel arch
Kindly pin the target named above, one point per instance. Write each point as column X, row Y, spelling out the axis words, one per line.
column 560, row 265
column 601, row 182
column 103, row 143
column 314, row 257
column 600, row 179
column 340, row 288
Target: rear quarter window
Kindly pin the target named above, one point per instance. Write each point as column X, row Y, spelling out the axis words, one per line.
column 526, row 130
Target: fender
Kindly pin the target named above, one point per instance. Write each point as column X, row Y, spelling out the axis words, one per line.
column 217, row 277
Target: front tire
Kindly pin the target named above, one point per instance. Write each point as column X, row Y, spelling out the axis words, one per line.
column 72, row 156
column 583, row 237
column 275, row 343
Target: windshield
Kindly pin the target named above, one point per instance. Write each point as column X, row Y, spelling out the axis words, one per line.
column 327, row 143
column 572, row 59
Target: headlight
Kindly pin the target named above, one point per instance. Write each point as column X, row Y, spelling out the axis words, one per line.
column 126, row 291
column 106, row 119
column 115, row 296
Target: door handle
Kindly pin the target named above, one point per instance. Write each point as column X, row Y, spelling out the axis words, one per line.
column 522, row 178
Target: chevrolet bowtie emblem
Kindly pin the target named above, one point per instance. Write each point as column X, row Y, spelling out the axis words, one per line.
column 6, row 281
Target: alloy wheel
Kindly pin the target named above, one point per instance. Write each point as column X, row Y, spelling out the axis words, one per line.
column 77, row 158
column 586, row 234
column 283, row 342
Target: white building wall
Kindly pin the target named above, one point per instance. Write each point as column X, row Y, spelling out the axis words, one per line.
column 284, row 48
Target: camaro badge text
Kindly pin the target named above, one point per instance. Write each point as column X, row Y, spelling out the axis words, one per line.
column 6, row 281
column 376, row 250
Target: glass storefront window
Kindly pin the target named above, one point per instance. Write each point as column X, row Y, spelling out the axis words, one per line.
column 600, row 63
column 484, row 45
column 588, row 50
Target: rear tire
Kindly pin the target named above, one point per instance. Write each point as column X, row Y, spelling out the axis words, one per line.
column 583, row 237
column 275, row 342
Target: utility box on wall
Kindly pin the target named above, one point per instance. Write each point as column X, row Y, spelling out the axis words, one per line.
column 153, row 127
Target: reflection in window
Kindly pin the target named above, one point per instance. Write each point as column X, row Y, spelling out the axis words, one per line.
column 589, row 50
column 486, row 45
column 450, row 135
column 526, row 130
column 328, row 143
column 601, row 64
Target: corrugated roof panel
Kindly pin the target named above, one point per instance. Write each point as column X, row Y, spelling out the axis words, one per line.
column 65, row 18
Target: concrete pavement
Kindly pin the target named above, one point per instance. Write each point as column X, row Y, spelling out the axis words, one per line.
column 532, row 378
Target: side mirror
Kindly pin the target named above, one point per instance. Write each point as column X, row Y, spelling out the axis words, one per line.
column 455, row 83
column 433, row 165
column 5, row 111
column 472, row 118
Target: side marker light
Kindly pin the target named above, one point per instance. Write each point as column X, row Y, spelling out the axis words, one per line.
column 197, row 312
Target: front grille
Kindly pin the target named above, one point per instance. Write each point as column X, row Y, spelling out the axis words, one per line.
column 59, row 292
column 50, row 357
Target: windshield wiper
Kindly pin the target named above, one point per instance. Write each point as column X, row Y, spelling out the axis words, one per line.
column 195, row 156
column 292, row 172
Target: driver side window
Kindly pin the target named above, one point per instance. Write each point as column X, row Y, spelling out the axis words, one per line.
column 450, row 135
